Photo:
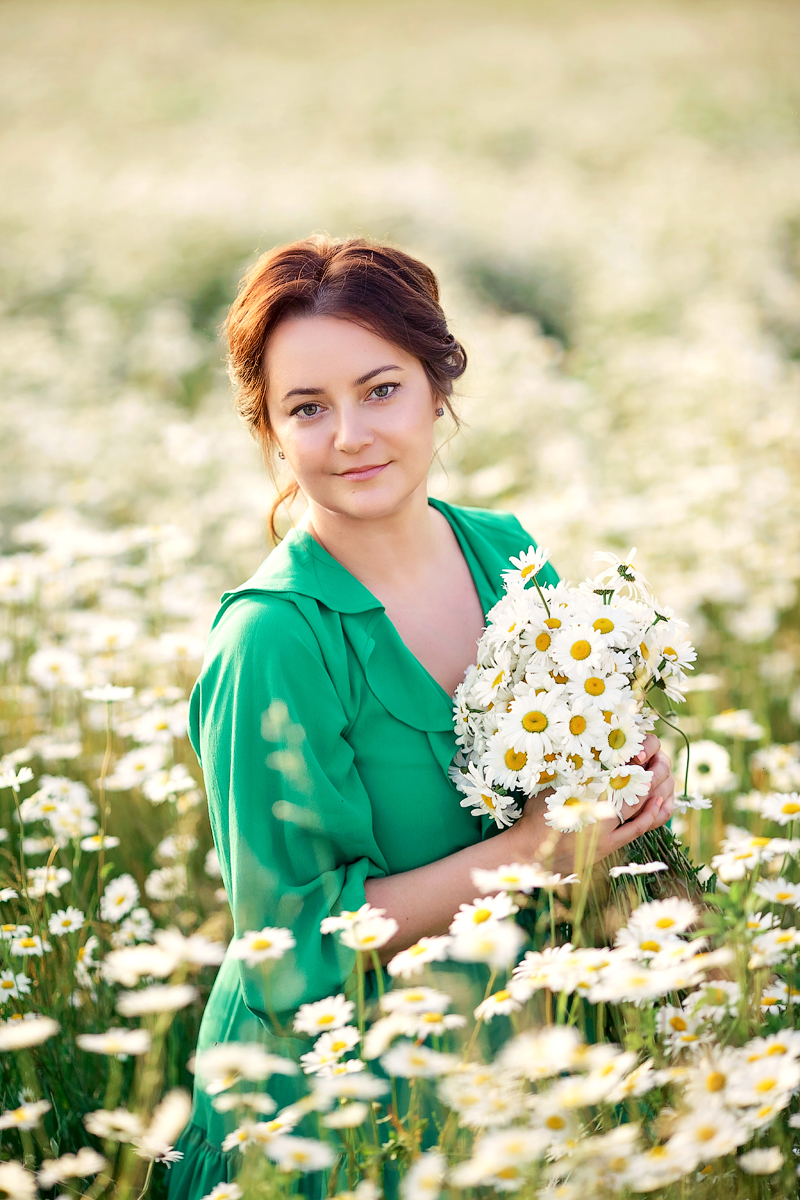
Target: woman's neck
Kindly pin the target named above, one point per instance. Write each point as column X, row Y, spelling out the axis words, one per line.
column 382, row 551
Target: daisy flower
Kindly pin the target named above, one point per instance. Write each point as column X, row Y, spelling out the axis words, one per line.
column 119, row 897
column 424, row 1179
column 604, row 691
column 66, row 920
column 574, row 806
column 629, row 785
column 765, row 1161
column 369, row 934
column 27, row 1116
column 415, row 1000
column 495, row 942
column 518, row 877
column 13, row 986
column 409, row 1061
column 580, row 650
column 532, row 721
column 489, row 908
column 257, row 947
column 623, row 739
column 17, row 1035
column 778, row 891
column 502, row 1002
column 159, row 997
column 299, row 1153
column 29, row 945
column 322, row 1015
column 115, row 1041
column 782, row 807
column 482, row 798
column 411, row 961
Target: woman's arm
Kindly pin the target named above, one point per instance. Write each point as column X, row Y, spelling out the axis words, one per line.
column 424, row 901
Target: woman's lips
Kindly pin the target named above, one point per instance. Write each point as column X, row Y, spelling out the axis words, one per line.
column 362, row 472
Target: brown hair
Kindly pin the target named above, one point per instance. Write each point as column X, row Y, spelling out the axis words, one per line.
column 374, row 285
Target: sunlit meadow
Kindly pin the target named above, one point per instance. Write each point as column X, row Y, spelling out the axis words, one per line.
column 610, row 195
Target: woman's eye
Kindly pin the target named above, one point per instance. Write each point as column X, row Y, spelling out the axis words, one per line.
column 381, row 392
column 306, row 410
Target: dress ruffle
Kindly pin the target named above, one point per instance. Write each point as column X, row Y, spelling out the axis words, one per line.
column 202, row 1167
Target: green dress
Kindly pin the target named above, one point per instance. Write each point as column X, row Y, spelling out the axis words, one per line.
column 325, row 746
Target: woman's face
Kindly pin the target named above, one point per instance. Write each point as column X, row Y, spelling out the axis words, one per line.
column 352, row 413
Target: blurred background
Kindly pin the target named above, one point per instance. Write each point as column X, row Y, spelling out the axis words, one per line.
column 609, row 192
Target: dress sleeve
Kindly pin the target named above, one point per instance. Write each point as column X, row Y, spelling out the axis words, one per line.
column 291, row 819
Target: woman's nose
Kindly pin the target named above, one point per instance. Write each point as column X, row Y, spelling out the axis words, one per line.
column 352, row 430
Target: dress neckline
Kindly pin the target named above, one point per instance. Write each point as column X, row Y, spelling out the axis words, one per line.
column 304, row 537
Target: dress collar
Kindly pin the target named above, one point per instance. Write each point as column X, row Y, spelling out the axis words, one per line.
column 300, row 565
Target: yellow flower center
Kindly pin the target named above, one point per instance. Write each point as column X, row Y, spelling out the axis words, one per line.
column 546, row 776
column 576, row 761
column 581, row 649
column 534, row 722
column 497, row 679
column 715, row 1082
column 616, row 739
column 432, row 1018
column 515, row 759
column 28, row 943
column 760, row 841
column 261, row 944
column 678, row 1024
column 594, row 686
column 414, row 997
column 542, row 641
column 558, row 677
column 790, row 808
column 481, row 914
column 553, row 623
column 7, row 984
column 765, row 1085
column 488, row 801
column 783, row 896
column 603, row 625
column 555, row 1122
column 526, row 571
column 776, row 1050
column 665, row 922
column 577, row 724
column 415, row 951
column 706, row 1133
column 326, row 1019
column 645, row 653
column 499, row 997
column 668, row 652
column 654, row 946
column 618, row 782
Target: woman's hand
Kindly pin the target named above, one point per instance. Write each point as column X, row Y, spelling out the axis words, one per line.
column 537, row 841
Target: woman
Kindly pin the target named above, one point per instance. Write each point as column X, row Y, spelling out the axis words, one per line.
column 323, row 714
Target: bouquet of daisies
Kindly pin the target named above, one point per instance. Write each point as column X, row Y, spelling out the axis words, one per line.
column 557, row 703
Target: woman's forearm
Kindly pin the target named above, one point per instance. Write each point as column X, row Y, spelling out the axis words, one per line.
column 424, row 901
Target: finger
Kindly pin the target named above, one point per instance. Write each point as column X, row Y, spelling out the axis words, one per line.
column 637, row 825
column 660, row 771
column 650, row 746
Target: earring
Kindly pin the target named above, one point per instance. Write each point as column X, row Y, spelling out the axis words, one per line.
column 440, row 412
column 281, row 454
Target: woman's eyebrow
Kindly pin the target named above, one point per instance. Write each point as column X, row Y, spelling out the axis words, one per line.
column 316, row 391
